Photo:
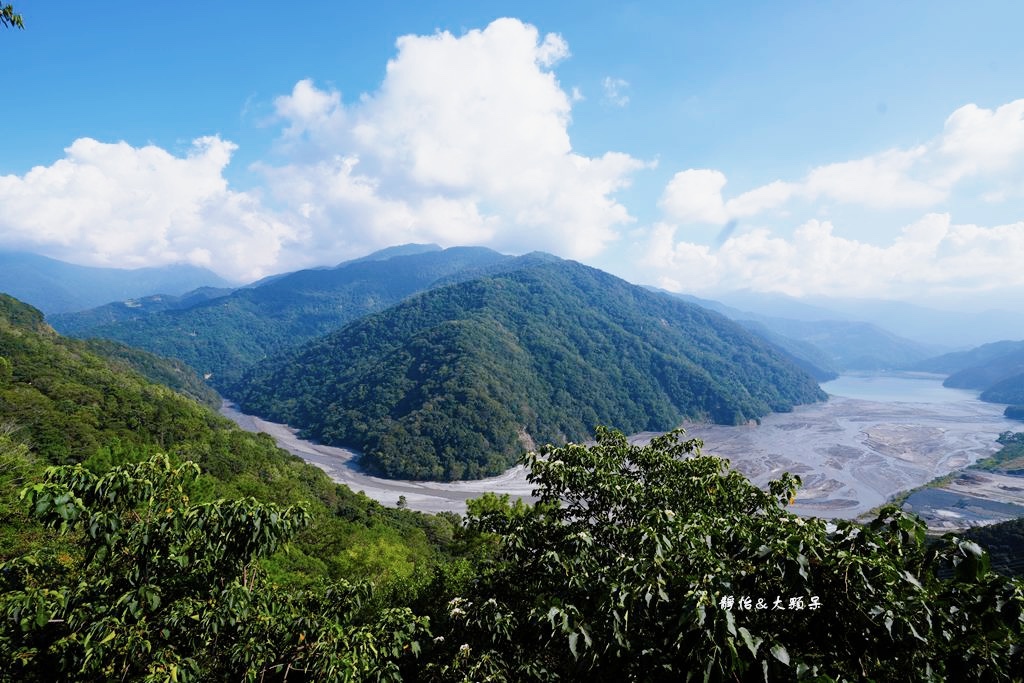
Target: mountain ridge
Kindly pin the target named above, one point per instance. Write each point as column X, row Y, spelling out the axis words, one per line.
column 55, row 286
column 220, row 336
column 438, row 385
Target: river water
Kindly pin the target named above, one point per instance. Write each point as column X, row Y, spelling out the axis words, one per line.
column 877, row 435
column 902, row 387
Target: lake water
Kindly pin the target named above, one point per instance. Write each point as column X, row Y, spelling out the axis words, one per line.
column 897, row 388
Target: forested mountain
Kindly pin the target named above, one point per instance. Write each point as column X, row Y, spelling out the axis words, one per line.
column 806, row 355
column 456, row 382
column 996, row 370
column 1009, row 390
column 131, row 560
column 220, row 336
column 170, row 372
column 811, row 358
column 136, row 565
column 70, row 405
column 56, row 287
column 135, row 309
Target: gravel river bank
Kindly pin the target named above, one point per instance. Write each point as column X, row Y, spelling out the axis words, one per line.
column 852, row 453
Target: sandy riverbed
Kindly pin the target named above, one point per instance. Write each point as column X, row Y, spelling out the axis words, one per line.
column 852, row 454
column 341, row 464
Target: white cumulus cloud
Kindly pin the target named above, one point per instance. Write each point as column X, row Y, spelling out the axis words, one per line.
column 974, row 141
column 465, row 141
column 931, row 256
column 115, row 204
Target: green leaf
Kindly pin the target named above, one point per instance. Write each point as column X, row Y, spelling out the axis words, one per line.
column 912, row 579
column 971, row 548
column 752, row 642
column 779, row 652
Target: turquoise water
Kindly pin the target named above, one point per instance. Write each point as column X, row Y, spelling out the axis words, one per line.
column 897, row 388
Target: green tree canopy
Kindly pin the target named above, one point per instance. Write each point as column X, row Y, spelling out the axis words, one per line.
column 8, row 17
column 659, row 563
column 160, row 588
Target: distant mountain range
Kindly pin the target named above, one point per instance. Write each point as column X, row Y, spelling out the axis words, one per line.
column 223, row 332
column 939, row 330
column 57, row 287
column 828, row 345
column 996, row 370
column 219, row 334
column 958, row 361
column 456, row 382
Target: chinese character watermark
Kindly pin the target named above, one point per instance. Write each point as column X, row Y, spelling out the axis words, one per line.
column 745, row 603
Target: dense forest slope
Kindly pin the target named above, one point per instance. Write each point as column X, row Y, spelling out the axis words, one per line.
column 70, row 405
column 220, row 336
column 170, row 372
column 1005, row 543
column 458, row 381
column 139, row 566
column 55, row 286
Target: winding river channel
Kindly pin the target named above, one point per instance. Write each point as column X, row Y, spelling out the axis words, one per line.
column 877, row 435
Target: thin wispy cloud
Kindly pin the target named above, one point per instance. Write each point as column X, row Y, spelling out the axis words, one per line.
column 615, row 91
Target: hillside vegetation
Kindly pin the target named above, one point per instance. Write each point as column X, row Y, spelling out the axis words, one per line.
column 1008, row 390
column 988, row 373
column 457, row 382
column 70, row 406
column 637, row 563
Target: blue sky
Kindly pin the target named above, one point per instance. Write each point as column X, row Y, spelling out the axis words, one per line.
column 854, row 149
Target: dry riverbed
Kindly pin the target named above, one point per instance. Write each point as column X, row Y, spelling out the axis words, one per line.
column 341, row 465
column 852, row 454
column 971, row 498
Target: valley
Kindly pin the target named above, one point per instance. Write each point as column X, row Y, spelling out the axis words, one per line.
column 890, row 433
column 522, row 342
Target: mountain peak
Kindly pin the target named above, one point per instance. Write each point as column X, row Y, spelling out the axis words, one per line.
column 410, row 249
